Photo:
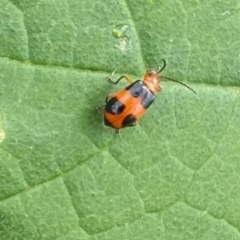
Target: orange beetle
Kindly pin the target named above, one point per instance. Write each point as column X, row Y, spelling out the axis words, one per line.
column 125, row 107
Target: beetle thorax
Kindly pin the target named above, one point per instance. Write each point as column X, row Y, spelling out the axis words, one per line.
column 152, row 79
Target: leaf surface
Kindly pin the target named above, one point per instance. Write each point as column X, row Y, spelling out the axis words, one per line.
column 63, row 175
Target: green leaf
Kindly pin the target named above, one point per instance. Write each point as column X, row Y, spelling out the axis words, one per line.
column 63, row 175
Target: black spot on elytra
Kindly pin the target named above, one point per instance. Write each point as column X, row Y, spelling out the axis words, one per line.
column 147, row 98
column 114, row 106
column 129, row 120
column 139, row 89
column 136, row 88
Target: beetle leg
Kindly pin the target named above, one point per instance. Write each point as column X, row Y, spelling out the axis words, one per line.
column 99, row 107
column 133, row 125
column 129, row 80
column 107, row 98
column 102, row 106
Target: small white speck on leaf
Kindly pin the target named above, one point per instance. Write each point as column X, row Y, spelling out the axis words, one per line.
column 124, row 44
column 227, row 12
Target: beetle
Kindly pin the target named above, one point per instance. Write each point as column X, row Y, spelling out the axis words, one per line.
column 125, row 107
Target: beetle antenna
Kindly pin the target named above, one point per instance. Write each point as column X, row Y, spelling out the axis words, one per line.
column 179, row 83
column 164, row 65
column 160, row 70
